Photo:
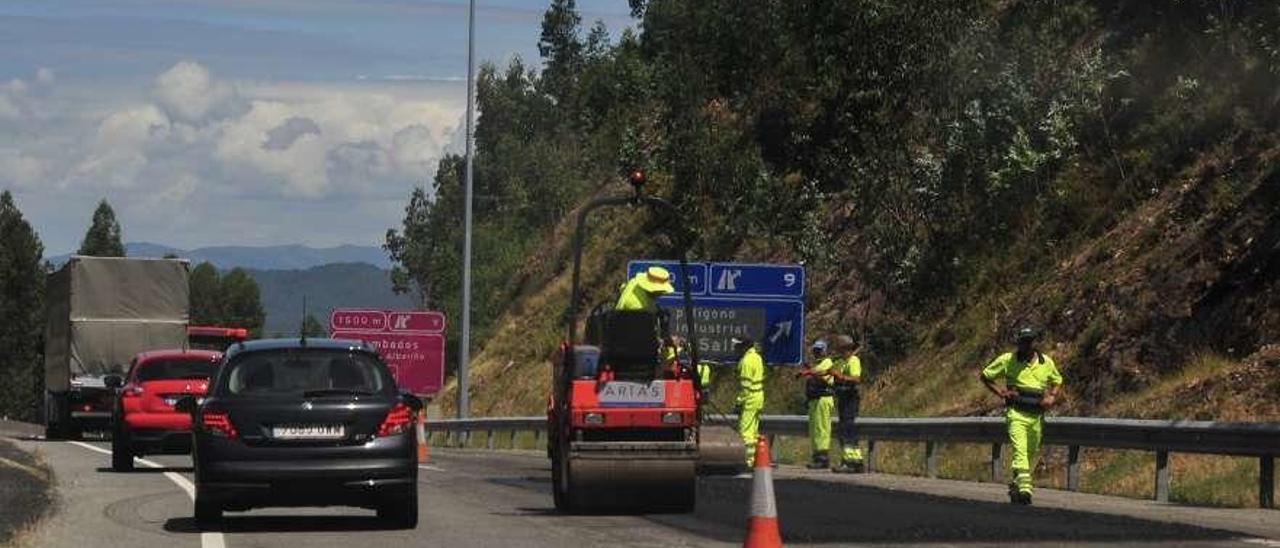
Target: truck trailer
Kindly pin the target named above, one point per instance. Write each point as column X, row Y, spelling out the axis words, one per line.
column 103, row 311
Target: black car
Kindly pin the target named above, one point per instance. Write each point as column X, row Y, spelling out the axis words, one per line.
column 305, row 422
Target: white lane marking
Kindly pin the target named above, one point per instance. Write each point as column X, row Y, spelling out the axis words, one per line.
column 208, row 539
column 431, row 468
column 90, row 447
column 1261, row 542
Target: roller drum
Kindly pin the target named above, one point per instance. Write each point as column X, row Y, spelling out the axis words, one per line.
column 720, row 451
column 612, row 484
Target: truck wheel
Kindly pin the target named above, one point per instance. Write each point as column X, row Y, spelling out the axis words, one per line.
column 55, row 418
column 121, row 454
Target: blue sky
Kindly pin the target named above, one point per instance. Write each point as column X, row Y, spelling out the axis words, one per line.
column 235, row 121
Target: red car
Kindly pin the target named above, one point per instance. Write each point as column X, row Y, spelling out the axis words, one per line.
column 145, row 421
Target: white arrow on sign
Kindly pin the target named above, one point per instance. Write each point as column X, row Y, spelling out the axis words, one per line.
column 784, row 330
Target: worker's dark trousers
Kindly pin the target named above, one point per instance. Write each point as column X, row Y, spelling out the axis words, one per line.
column 847, row 404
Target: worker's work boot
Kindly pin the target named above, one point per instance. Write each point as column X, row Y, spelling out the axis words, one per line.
column 850, row 467
column 819, row 462
column 1024, row 498
column 1013, row 493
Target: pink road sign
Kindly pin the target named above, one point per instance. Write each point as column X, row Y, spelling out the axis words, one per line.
column 411, row 342
column 358, row 320
column 415, row 322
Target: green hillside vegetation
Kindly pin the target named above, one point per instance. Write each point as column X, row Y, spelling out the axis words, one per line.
column 946, row 170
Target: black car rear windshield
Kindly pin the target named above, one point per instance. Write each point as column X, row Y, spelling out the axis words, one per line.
column 159, row 370
column 306, row 371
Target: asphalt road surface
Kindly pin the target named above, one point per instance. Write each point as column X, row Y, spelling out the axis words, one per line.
column 476, row 498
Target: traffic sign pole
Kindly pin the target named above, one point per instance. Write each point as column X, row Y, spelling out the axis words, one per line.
column 464, row 352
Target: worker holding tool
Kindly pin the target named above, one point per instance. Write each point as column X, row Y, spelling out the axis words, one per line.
column 1031, row 386
column 847, row 376
column 750, row 400
column 820, row 394
column 675, row 353
column 704, row 379
column 641, row 292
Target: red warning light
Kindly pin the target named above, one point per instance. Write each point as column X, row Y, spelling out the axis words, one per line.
column 637, row 177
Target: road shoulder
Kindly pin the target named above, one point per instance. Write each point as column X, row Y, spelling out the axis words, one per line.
column 26, row 492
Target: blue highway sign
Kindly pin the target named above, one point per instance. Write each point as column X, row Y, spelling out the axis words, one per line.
column 776, row 325
column 765, row 302
column 757, row 281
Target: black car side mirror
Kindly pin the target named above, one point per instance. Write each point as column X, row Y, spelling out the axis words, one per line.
column 113, row 381
column 414, row 402
column 186, row 404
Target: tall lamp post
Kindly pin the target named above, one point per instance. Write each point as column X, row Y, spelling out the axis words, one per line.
column 464, row 354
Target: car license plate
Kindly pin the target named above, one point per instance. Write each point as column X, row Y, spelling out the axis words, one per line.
column 309, row 432
column 633, row 394
column 173, row 400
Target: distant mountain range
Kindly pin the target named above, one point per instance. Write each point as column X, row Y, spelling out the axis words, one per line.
column 353, row 285
column 282, row 257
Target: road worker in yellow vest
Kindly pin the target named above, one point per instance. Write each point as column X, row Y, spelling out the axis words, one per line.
column 750, row 400
column 1031, row 385
column 676, row 350
column 847, row 375
column 820, row 394
column 641, row 292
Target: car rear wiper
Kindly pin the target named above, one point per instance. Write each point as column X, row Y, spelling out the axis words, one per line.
column 335, row 392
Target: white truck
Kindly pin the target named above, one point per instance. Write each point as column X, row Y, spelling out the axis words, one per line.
column 103, row 311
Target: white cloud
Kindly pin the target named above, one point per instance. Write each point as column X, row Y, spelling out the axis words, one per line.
column 412, row 151
column 188, row 92
column 197, row 146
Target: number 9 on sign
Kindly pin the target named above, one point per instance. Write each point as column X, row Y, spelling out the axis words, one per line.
column 789, row 279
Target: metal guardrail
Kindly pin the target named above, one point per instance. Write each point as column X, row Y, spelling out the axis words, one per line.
column 1260, row 440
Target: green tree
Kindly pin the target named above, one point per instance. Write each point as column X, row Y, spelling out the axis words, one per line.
column 561, row 48
column 103, row 238
column 413, row 249
column 206, row 295
column 242, row 305
column 311, row 327
column 22, row 278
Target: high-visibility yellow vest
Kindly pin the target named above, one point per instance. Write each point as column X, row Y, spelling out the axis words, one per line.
column 634, row 297
column 704, row 375
column 751, row 373
column 1037, row 375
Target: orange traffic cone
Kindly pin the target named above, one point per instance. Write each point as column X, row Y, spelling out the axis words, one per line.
column 424, row 452
column 762, row 524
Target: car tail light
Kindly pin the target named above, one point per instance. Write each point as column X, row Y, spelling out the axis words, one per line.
column 398, row 420
column 218, row 423
column 133, row 390
column 672, row 417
